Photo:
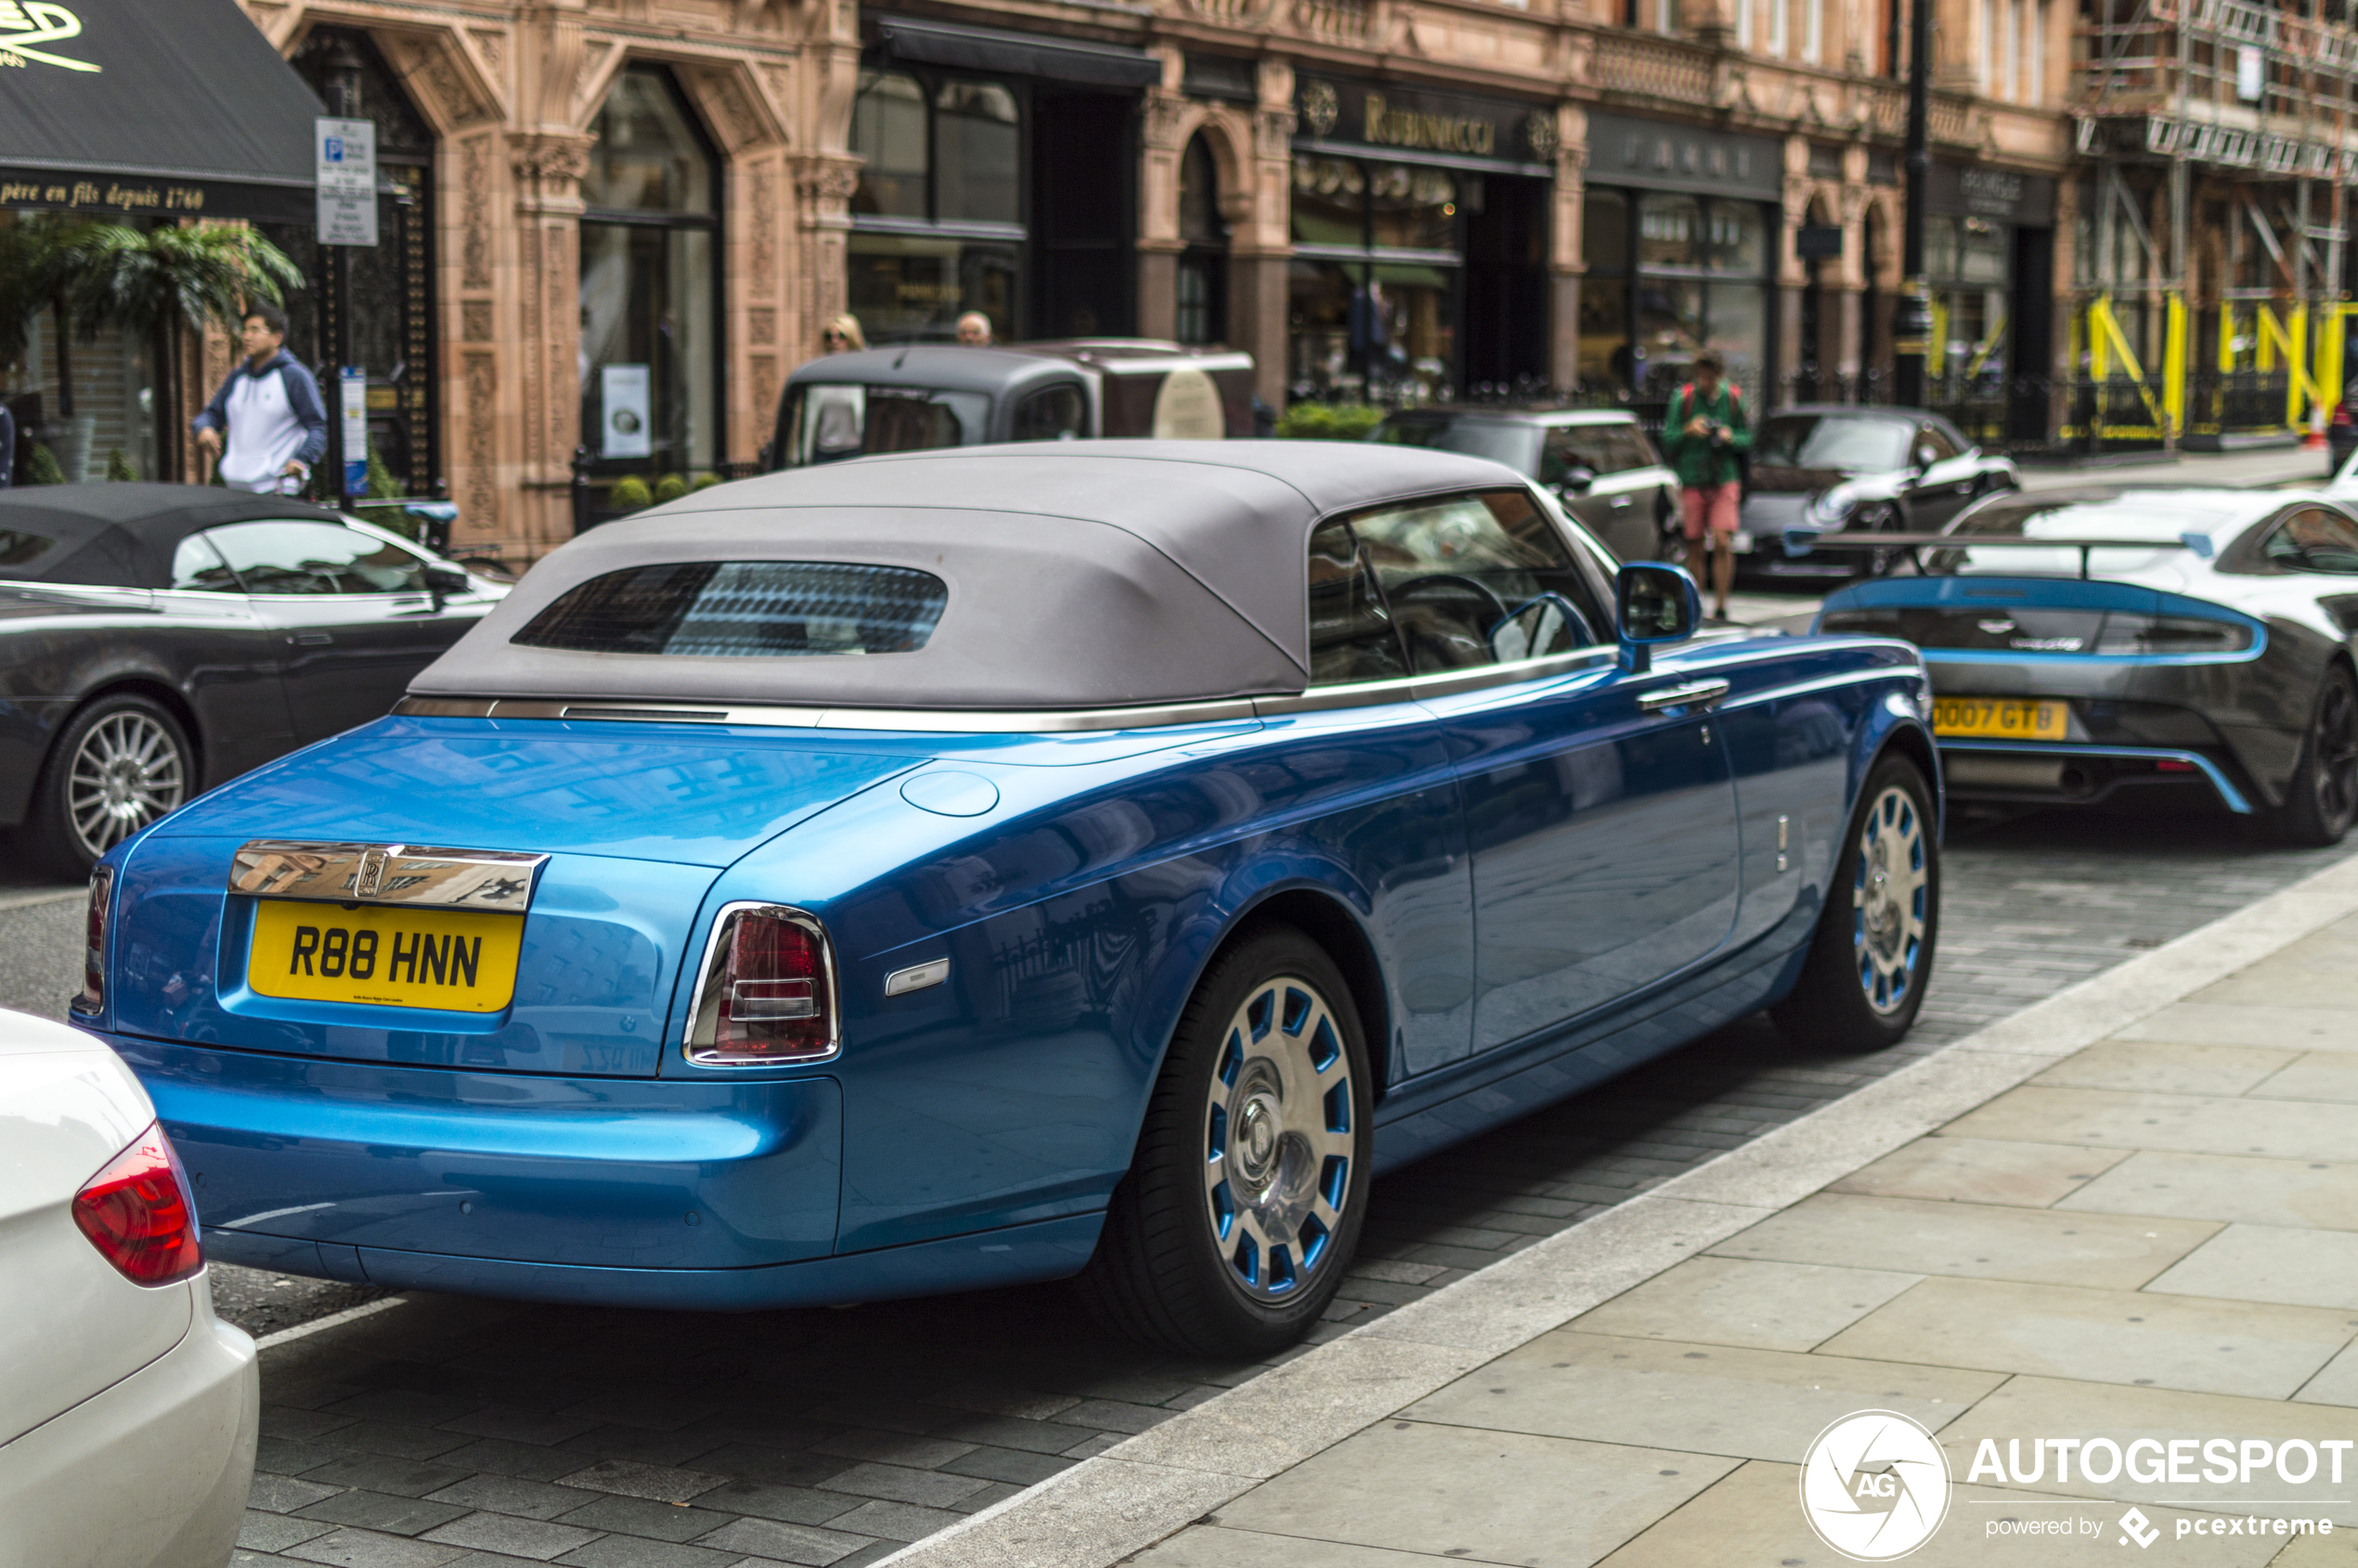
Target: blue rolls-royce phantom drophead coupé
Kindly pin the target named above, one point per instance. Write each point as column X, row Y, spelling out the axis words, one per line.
column 962, row 868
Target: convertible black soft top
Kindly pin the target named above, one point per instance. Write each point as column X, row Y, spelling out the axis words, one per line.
column 1097, row 574
column 120, row 535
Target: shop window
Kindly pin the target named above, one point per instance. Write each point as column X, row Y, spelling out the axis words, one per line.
column 650, row 297
column 975, row 153
column 1377, row 283
column 943, row 158
column 888, row 130
column 1201, row 316
column 1604, row 231
column 1670, row 231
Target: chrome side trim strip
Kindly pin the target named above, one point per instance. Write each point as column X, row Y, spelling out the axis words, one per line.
column 917, row 977
column 416, row 875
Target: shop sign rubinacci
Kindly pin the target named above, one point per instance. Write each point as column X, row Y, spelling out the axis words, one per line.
column 1380, row 115
column 24, row 23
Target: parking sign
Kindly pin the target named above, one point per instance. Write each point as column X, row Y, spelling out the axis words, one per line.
column 347, row 180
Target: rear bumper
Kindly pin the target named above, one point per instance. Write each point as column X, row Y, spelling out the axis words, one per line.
column 2075, row 774
column 697, row 1194
column 151, row 1474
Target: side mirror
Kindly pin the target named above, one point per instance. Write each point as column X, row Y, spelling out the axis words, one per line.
column 1925, row 458
column 1653, row 603
column 1576, row 481
column 442, row 581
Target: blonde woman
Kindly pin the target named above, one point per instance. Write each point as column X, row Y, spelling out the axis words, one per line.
column 838, row 412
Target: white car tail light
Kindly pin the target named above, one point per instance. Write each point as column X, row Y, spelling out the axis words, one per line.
column 768, row 991
column 139, row 1214
column 92, row 1000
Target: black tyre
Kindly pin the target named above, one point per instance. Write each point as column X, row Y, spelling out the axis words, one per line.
column 121, row 763
column 1244, row 1200
column 1871, row 957
column 2322, row 799
column 1880, row 518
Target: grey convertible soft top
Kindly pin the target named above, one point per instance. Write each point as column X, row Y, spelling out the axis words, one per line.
column 1097, row 574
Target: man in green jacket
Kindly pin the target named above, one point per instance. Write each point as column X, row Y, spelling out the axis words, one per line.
column 1703, row 434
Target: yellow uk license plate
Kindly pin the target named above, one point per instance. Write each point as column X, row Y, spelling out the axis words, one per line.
column 2001, row 719
column 460, row 961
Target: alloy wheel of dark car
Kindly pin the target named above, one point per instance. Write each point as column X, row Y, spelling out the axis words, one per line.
column 1881, row 518
column 122, row 762
column 2321, row 800
column 1870, row 959
column 1244, row 1202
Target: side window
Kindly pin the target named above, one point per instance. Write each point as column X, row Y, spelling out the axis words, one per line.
column 2314, row 540
column 1057, row 413
column 299, row 557
column 1479, row 579
column 1600, row 448
column 1930, row 438
column 1627, row 445
column 198, row 568
column 1351, row 635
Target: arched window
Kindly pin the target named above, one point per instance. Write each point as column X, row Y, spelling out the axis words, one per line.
column 650, row 371
column 1202, row 315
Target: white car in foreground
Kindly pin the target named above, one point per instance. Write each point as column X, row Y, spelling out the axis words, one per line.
column 127, row 1410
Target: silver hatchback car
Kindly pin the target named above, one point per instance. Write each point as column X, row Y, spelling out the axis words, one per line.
column 1598, row 461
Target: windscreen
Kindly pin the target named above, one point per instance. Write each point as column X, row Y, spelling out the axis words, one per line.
column 827, row 422
column 744, row 609
column 1844, row 442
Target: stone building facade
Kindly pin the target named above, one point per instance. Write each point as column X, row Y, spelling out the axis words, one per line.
column 639, row 213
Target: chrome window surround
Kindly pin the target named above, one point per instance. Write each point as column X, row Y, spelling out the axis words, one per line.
column 498, row 880
column 703, row 1008
column 1016, row 721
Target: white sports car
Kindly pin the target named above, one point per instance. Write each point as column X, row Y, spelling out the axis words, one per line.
column 128, row 1412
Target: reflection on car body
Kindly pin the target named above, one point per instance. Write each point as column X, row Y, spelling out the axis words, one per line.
column 953, row 859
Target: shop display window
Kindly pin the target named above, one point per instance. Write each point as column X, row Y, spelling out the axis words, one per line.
column 650, row 283
column 1375, row 286
column 1690, row 273
column 938, row 218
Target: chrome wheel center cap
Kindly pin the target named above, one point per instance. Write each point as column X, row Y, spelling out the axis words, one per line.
column 1256, row 1145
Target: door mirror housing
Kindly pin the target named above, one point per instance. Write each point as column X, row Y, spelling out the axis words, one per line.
column 1654, row 603
column 1576, row 481
column 442, row 581
column 1925, row 458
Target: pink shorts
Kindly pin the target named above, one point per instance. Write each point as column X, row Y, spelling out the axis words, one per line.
column 1713, row 504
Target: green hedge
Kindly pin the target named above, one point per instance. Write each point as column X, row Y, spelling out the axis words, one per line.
column 1328, row 422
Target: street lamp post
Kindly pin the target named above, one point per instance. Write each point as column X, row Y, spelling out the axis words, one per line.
column 1912, row 321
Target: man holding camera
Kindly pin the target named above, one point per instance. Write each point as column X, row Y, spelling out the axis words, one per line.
column 1704, row 433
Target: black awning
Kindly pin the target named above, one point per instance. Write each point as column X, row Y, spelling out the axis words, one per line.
column 1019, row 53
column 178, row 110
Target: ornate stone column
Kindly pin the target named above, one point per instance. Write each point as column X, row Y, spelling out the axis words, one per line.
column 1566, row 261
column 547, row 168
column 1160, row 144
column 1261, row 242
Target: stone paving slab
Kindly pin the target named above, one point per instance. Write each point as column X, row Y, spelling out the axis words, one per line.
column 1571, row 1445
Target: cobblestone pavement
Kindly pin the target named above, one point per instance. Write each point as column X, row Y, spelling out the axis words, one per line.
column 473, row 1433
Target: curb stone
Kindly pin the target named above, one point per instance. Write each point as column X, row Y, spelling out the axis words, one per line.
column 1152, row 1486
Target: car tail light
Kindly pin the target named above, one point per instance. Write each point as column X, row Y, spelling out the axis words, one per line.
column 768, row 994
column 2341, row 413
column 93, row 999
column 139, row 1214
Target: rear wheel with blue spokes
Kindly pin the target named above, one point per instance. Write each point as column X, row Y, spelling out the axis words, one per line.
column 1871, row 956
column 1243, row 1203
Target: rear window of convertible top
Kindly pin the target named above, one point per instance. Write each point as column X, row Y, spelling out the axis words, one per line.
column 744, row 609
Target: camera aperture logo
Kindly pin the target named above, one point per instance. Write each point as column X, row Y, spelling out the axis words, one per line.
column 1874, row 1486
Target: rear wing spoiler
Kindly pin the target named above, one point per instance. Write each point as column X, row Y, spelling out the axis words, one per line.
column 1801, row 540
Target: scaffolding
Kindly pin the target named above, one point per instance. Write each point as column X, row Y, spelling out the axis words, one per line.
column 2224, row 120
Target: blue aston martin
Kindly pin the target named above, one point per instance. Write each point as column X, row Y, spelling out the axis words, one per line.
column 962, row 868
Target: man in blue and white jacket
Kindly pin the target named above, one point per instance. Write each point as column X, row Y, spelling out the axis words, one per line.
column 269, row 409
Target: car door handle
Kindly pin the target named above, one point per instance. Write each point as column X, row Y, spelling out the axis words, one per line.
column 311, row 638
column 1691, row 693
column 1619, row 502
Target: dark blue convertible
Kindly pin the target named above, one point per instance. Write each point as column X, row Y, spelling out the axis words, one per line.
column 955, row 869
